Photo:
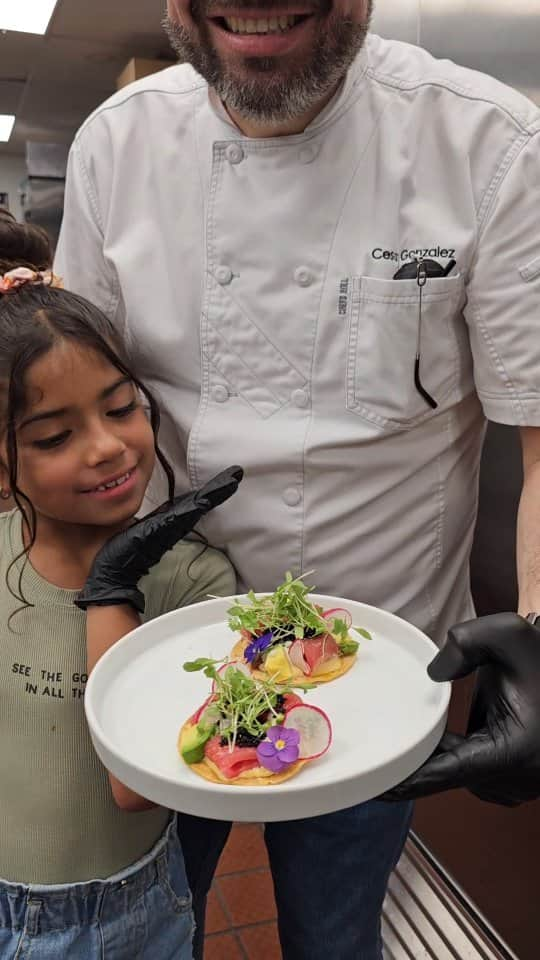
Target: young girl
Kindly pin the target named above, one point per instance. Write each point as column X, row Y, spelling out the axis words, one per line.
column 89, row 869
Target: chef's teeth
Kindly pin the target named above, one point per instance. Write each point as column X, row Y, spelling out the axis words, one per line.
column 269, row 25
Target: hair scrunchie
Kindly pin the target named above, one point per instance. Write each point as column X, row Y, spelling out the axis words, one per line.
column 22, row 276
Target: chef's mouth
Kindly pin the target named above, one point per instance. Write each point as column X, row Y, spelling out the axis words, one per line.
column 277, row 23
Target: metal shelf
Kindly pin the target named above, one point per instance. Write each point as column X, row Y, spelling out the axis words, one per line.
column 427, row 916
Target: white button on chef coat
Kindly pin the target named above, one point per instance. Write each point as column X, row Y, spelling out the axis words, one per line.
column 234, row 153
column 421, row 159
column 303, row 276
column 300, row 398
column 220, row 393
column 292, row 497
column 224, row 275
column 308, row 153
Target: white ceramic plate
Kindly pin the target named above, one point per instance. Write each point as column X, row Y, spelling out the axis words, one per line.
column 387, row 715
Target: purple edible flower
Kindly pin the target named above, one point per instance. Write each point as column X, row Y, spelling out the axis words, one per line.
column 280, row 749
column 258, row 646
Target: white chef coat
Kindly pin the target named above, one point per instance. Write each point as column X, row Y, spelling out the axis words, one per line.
column 253, row 280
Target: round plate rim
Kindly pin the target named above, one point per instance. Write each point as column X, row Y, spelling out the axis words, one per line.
column 217, row 790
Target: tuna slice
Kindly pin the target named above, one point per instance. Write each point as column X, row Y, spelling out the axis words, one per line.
column 291, row 700
column 318, row 650
column 231, row 763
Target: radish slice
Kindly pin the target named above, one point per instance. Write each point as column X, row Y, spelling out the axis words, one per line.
column 314, row 728
column 337, row 613
column 236, row 665
column 297, row 658
column 198, row 713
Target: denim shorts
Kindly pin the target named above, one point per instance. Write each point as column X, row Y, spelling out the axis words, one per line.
column 142, row 913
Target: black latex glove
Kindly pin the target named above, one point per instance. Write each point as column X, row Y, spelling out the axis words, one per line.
column 499, row 759
column 129, row 555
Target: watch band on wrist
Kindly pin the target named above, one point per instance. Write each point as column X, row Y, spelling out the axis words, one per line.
column 533, row 618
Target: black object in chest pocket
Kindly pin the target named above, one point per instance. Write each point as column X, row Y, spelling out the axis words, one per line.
column 382, row 345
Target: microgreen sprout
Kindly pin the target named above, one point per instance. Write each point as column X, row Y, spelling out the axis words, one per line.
column 241, row 702
column 286, row 611
column 287, row 614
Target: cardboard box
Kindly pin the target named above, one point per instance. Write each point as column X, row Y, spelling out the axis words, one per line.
column 140, row 67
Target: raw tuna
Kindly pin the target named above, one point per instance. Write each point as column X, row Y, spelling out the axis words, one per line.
column 318, row 650
column 291, row 700
column 231, row 763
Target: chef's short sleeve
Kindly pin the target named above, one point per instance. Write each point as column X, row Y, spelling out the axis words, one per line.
column 503, row 306
column 80, row 258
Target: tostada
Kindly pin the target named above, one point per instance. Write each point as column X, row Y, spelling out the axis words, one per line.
column 287, row 638
column 250, row 732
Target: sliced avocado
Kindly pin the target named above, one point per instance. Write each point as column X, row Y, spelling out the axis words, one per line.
column 193, row 742
column 348, row 647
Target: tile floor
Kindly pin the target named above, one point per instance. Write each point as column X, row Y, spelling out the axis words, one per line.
column 240, row 920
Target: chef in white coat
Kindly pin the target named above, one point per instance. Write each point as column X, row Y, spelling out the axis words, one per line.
column 324, row 251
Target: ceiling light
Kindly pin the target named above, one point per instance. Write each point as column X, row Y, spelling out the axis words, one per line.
column 7, row 121
column 26, row 16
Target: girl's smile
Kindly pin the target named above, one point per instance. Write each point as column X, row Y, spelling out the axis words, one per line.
column 115, row 485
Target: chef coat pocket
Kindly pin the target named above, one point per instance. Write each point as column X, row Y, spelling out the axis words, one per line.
column 382, row 342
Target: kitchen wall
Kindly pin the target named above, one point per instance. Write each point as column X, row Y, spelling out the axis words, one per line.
column 12, row 174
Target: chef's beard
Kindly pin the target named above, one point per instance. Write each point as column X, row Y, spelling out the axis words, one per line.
column 267, row 94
